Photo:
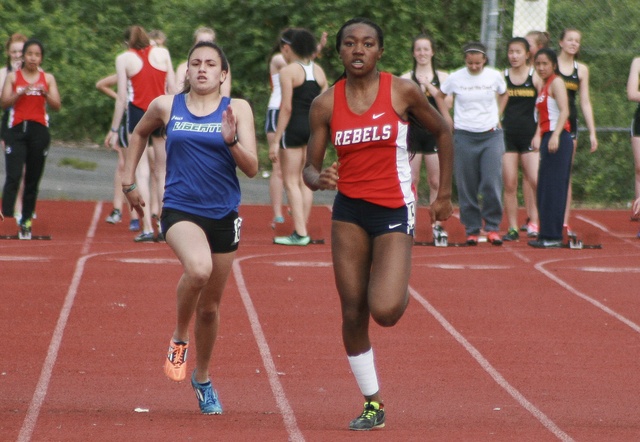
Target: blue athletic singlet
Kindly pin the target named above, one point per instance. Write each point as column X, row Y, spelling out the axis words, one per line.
column 201, row 172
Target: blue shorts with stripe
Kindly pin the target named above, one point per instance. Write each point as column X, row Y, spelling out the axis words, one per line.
column 376, row 220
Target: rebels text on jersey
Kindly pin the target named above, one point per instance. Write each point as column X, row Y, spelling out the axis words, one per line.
column 373, row 158
column 362, row 135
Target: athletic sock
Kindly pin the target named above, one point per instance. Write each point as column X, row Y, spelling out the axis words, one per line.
column 364, row 370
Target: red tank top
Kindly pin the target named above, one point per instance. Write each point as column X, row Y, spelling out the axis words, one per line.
column 548, row 111
column 32, row 105
column 372, row 149
column 147, row 84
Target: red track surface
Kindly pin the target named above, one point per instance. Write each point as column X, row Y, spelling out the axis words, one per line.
column 498, row 343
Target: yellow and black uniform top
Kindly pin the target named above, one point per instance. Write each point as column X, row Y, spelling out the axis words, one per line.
column 572, row 83
column 519, row 114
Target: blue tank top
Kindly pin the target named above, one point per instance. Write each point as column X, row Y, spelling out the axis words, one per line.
column 201, row 172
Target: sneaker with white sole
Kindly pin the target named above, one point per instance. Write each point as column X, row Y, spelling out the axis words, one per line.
column 546, row 243
column 24, row 231
column 115, row 217
column 512, row 235
column 372, row 417
column 145, row 237
column 293, row 240
column 207, row 396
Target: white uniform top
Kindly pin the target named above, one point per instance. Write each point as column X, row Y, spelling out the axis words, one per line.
column 475, row 105
column 276, row 92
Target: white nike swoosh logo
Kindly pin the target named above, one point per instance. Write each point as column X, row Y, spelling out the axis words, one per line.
column 376, row 116
column 393, row 226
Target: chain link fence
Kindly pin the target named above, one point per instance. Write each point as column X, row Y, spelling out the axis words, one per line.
column 609, row 43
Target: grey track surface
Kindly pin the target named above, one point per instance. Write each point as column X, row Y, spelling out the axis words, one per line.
column 66, row 183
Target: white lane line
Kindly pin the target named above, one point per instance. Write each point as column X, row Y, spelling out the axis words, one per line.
column 302, row 264
column 290, row 423
column 486, row 366
column 607, row 231
column 54, row 346
column 540, row 267
column 465, row 266
column 610, row 269
column 148, row 260
column 12, row 258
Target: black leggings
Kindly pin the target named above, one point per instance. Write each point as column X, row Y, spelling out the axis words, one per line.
column 27, row 145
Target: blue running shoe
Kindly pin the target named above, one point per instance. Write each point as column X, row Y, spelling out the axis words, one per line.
column 134, row 225
column 207, row 397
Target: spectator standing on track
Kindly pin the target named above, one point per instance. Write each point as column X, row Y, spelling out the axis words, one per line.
column 519, row 127
column 208, row 136
column 14, row 62
column 105, row 85
column 576, row 79
column 29, row 91
column 422, row 143
column 301, row 81
column 365, row 116
column 277, row 62
column 537, row 40
column 633, row 94
column 478, row 94
column 556, row 150
column 147, row 71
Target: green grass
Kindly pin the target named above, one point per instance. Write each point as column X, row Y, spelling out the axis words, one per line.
column 77, row 163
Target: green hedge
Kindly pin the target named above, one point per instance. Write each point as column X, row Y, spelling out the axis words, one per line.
column 82, row 38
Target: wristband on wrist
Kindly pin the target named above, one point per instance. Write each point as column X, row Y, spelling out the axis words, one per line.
column 126, row 188
column 233, row 142
column 113, row 129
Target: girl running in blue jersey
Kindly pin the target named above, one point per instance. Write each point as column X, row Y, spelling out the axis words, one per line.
column 208, row 137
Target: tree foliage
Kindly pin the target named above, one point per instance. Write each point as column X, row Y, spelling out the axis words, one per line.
column 82, row 39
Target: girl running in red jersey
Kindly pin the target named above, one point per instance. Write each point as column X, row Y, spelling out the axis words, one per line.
column 365, row 116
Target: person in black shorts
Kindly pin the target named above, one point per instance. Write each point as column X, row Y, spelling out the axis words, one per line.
column 209, row 138
column 519, row 127
column 301, row 81
column 106, row 85
column 422, row 143
column 576, row 79
column 633, row 94
column 365, row 116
